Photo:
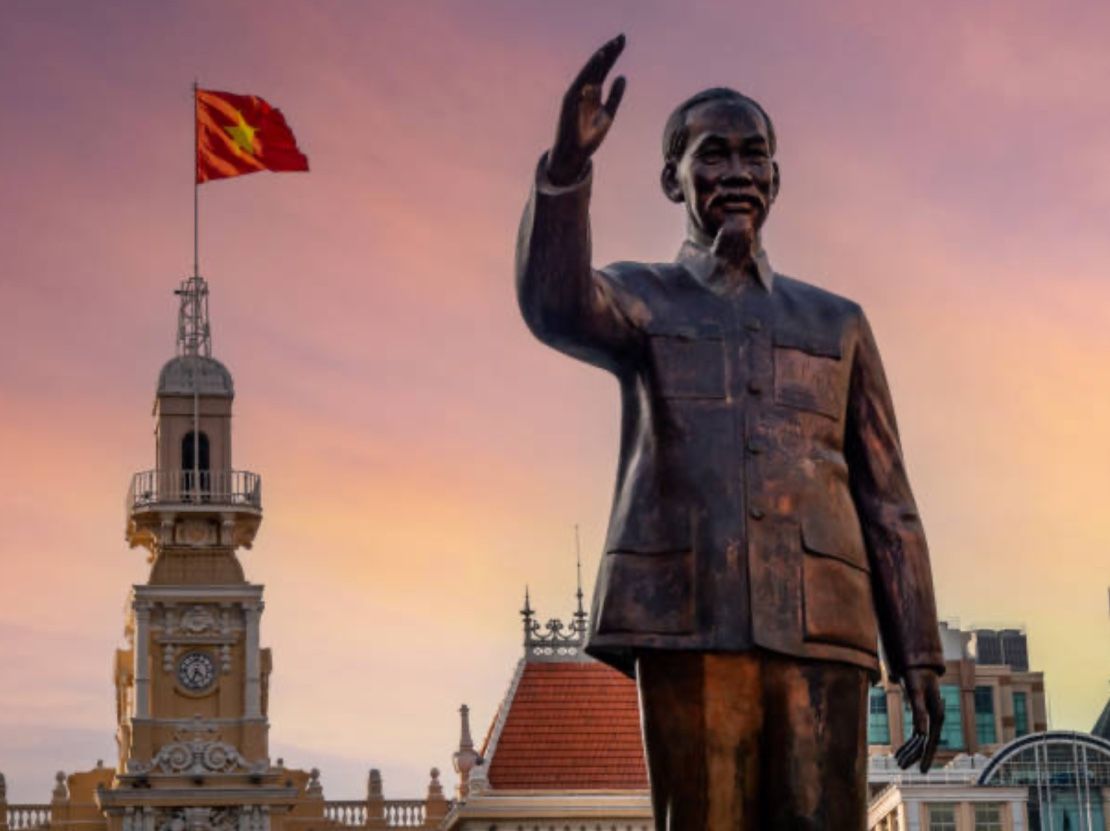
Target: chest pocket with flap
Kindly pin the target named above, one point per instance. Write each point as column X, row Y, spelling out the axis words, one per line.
column 688, row 363
column 809, row 374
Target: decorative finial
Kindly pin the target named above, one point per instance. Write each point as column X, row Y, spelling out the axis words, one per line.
column 580, row 614
column 435, row 790
column 60, row 789
column 374, row 784
column 465, row 758
column 465, row 741
column 526, row 613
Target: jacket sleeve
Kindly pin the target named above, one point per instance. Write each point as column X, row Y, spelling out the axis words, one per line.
column 565, row 302
column 902, row 580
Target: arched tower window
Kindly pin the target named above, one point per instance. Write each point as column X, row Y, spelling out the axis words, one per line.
column 187, row 451
column 193, row 452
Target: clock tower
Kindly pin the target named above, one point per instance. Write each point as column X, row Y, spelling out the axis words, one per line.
column 191, row 684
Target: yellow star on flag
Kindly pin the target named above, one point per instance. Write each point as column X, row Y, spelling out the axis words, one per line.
column 242, row 134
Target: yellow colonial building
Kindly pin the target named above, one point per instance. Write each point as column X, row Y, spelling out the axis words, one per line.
column 192, row 682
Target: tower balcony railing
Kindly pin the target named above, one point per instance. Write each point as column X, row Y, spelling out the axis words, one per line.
column 210, row 488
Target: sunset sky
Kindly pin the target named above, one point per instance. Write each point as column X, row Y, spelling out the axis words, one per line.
column 946, row 164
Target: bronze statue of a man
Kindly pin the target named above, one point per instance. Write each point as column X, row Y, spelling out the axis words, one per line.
column 763, row 533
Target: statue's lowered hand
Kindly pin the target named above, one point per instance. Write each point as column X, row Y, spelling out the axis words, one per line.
column 922, row 690
column 584, row 120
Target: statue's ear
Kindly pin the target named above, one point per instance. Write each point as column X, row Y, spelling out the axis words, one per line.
column 668, row 179
column 776, row 181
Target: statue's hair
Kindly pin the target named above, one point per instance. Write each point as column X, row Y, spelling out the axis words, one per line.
column 675, row 133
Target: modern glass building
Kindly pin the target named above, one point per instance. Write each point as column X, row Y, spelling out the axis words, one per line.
column 985, row 704
column 1067, row 774
column 1051, row 781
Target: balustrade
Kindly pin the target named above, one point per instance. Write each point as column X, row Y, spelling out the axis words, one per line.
column 404, row 813
column 346, row 812
column 209, row 487
column 28, row 817
column 398, row 813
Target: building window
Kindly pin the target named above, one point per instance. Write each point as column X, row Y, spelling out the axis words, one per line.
column 878, row 722
column 985, row 731
column 196, row 453
column 951, row 734
column 187, row 452
column 942, row 817
column 988, row 817
column 1021, row 714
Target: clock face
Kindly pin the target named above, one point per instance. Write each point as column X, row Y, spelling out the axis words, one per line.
column 196, row 671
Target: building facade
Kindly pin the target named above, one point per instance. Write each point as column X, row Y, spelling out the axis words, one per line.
column 192, row 681
column 1051, row 781
column 564, row 750
column 986, row 704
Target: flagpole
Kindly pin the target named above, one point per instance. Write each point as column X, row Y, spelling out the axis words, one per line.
column 196, row 297
column 196, row 185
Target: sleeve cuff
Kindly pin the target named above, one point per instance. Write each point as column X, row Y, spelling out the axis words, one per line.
column 546, row 187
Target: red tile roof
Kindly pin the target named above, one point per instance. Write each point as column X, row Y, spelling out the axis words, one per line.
column 570, row 726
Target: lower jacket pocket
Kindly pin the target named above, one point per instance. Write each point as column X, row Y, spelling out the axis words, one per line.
column 838, row 605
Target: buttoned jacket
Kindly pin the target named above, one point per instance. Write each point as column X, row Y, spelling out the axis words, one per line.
column 761, row 499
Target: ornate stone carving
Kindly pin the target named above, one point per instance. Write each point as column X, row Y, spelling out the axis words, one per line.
column 196, row 749
column 196, row 532
column 198, row 620
column 556, row 641
column 205, row 818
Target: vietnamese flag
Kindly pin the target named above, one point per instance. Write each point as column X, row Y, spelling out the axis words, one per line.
column 239, row 134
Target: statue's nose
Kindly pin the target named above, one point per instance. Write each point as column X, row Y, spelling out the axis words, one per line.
column 737, row 171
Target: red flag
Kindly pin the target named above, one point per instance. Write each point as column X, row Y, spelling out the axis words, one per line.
column 239, row 134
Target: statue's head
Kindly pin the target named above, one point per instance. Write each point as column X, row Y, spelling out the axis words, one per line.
column 718, row 159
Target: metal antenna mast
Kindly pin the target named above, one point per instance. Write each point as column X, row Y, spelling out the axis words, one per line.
column 194, row 337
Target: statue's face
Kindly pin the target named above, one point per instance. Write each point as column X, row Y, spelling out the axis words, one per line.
column 726, row 175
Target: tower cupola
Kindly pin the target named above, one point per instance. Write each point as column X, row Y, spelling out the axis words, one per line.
column 193, row 497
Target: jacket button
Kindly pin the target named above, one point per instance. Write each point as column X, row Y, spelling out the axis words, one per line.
column 755, row 513
column 755, row 388
column 755, row 447
column 754, row 325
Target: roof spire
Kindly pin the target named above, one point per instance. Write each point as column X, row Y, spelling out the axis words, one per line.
column 579, row 624
column 526, row 613
column 465, row 758
column 193, row 334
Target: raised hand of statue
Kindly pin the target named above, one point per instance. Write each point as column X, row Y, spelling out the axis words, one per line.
column 922, row 689
column 584, row 119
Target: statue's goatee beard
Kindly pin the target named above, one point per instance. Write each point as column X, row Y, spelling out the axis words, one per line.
column 735, row 240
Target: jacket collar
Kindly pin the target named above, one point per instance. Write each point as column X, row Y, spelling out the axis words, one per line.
column 708, row 269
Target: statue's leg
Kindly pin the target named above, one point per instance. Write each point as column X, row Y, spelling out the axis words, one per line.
column 701, row 720
column 815, row 745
